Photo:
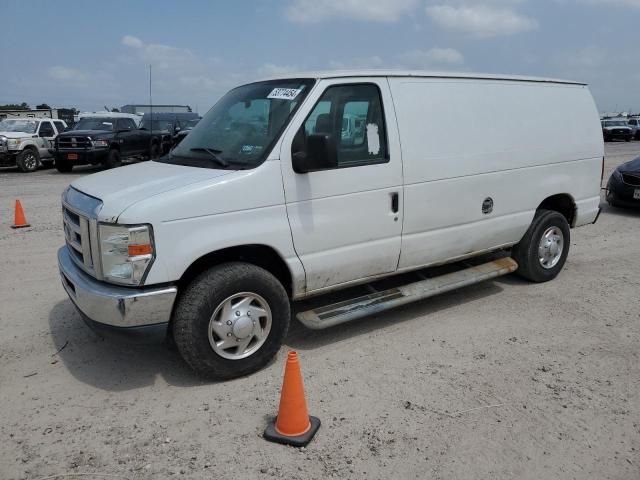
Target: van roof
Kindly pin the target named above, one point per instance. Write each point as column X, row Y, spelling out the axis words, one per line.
column 421, row 74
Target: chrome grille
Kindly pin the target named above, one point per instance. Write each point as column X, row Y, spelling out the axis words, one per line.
column 79, row 217
column 76, row 234
column 74, row 143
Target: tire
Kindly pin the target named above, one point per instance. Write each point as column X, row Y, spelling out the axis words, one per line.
column 526, row 253
column 63, row 165
column 154, row 151
column 194, row 322
column 627, row 139
column 28, row 160
column 113, row 159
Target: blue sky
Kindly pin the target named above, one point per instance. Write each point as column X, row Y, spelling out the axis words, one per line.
column 88, row 54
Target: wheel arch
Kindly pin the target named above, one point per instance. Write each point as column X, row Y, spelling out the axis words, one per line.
column 562, row 203
column 262, row 256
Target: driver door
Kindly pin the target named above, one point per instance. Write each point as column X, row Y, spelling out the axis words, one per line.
column 346, row 219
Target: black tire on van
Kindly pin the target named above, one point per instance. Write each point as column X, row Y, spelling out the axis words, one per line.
column 231, row 320
column 113, row 159
column 543, row 250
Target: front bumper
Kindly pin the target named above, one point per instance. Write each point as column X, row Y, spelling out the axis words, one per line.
column 7, row 158
column 113, row 309
column 84, row 157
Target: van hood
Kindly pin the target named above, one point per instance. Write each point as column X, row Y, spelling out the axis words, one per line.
column 122, row 187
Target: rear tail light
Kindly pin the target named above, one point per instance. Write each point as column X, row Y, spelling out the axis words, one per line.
column 602, row 172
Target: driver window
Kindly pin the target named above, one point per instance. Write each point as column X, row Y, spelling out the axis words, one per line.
column 353, row 116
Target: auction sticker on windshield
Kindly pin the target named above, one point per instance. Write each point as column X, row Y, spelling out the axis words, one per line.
column 284, row 93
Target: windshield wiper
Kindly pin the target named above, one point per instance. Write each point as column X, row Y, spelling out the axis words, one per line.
column 214, row 155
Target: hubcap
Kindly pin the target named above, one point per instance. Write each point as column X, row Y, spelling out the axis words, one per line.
column 240, row 325
column 30, row 161
column 550, row 247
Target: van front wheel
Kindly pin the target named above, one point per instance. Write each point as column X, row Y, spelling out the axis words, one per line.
column 231, row 320
column 543, row 250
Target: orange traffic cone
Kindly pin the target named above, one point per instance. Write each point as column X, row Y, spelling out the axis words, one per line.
column 293, row 425
column 20, row 220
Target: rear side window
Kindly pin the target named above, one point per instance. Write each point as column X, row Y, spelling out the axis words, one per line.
column 46, row 129
column 353, row 116
column 126, row 124
column 59, row 126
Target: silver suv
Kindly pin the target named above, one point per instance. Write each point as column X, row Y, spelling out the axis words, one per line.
column 25, row 142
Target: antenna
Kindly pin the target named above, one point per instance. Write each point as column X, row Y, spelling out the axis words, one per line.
column 150, row 106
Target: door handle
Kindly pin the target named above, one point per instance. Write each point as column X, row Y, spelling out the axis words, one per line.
column 395, row 202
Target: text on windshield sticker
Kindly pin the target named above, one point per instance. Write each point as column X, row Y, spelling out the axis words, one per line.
column 284, row 93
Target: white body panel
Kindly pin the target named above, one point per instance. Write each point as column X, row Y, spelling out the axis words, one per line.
column 336, row 227
column 464, row 140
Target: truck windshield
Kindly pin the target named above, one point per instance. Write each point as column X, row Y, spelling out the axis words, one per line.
column 615, row 123
column 240, row 130
column 25, row 126
column 95, row 124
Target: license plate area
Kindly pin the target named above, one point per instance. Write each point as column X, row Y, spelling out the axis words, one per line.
column 72, row 156
column 636, row 194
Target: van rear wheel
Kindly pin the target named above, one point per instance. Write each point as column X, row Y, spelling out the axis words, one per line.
column 231, row 320
column 543, row 250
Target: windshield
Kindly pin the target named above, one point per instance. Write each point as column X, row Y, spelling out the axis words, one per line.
column 241, row 128
column 26, row 126
column 615, row 123
column 190, row 123
column 95, row 124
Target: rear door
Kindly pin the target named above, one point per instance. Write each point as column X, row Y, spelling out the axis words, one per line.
column 346, row 221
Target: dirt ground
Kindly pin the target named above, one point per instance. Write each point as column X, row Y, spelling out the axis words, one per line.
column 501, row 380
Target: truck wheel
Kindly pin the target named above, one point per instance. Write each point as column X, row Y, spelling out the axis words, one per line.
column 155, row 151
column 63, row 166
column 231, row 320
column 543, row 250
column 28, row 160
column 113, row 159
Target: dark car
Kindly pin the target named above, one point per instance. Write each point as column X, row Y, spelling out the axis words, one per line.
column 184, row 130
column 104, row 140
column 613, row 129
column 623, row 188
column 167, row 126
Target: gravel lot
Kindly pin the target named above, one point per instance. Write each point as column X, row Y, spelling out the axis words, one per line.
column 546, row 378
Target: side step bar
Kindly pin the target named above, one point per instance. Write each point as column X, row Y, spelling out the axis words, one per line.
column 337, row 313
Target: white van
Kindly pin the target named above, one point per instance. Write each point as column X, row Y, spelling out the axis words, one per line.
column 264, row 204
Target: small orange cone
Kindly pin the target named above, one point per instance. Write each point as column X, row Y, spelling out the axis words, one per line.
column 20, row 220
column 293, row 425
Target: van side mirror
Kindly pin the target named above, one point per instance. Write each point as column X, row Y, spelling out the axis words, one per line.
column 320, row 152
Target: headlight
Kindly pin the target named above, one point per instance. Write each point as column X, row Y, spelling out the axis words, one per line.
column 14, row 142
column 100, row 143
column 616, row 174
column 126, row 252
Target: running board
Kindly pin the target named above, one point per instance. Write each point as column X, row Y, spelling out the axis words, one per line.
column 355, row 308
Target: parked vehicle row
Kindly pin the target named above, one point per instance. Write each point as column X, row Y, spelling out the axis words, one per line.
column 620, row 128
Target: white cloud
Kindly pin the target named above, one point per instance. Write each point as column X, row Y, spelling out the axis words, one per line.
column 432, row 58
column 482, row 21
column 131, row 41
column 273, row 70
column 66, row 75
column 314, row 11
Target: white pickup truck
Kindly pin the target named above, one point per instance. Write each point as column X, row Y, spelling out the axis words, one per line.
column 265, row 203
column 26, row 142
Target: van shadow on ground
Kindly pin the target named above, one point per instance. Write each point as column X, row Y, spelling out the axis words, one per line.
column 303, row 338
column 111, row 364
